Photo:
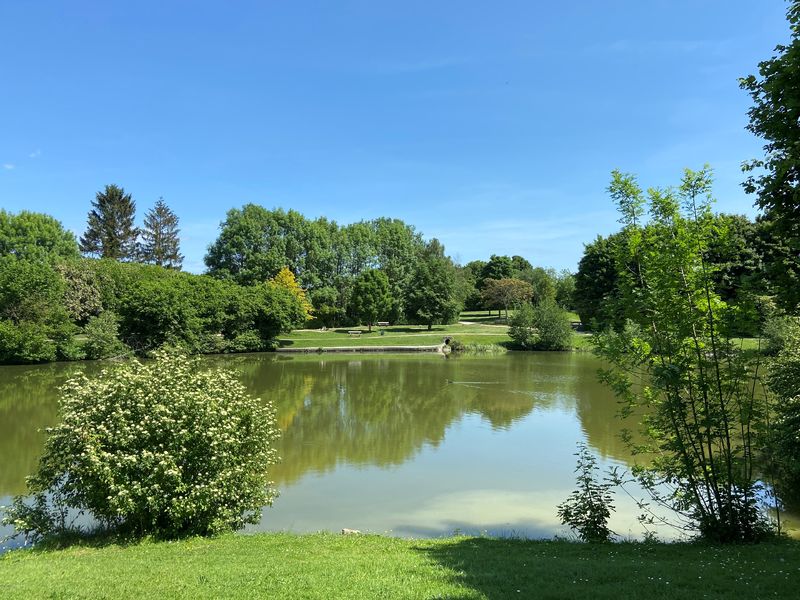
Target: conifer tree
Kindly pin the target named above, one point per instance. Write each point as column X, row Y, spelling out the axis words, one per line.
column 110, row 232
column 160, row 242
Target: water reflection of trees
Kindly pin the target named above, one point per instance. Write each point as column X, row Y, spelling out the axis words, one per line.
column 28, row 404
column 357, row 410
column 383, row 410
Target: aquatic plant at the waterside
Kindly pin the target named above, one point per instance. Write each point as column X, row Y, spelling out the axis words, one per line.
column 163, row 448
column 459, row 347
column 588, row 508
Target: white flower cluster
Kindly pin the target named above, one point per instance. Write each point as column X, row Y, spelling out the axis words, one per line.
column 163, row 447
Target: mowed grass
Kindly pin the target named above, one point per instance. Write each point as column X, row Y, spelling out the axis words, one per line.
column 334, row 566
column 399, row 335
column 481, row 330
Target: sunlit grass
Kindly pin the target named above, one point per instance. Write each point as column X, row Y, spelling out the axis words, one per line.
column 335, row 566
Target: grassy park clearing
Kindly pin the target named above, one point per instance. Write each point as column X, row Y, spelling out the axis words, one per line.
column 335, row 566
column 474, row 328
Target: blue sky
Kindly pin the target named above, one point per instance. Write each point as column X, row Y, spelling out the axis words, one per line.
column 490, row 125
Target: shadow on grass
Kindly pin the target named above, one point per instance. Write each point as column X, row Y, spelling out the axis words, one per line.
column 496, row 568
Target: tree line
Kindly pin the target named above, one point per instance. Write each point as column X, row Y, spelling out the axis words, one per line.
column 119, row 288
column 57, row 305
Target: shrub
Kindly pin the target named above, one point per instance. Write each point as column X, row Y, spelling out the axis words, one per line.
column 162, row 448
column 589, row 507
column 545, row 326
column 102, row 340
column 784, row 382
column 25, row 342
column 522, row 329
column 778, row 331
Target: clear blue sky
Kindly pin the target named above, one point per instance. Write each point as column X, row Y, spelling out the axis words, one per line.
column 490, row 125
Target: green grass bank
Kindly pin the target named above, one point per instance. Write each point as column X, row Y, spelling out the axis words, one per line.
column 334, row 566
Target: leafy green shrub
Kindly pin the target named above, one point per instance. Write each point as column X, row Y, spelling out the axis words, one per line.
column 102, row 336
column 778, row 331
column 784, row 382
column 163, row 448
column 522, row 329
column 545, row 326
column 589, row 507
column 25, row 342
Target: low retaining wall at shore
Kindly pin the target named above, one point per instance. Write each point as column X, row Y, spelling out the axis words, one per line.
column 363, row 349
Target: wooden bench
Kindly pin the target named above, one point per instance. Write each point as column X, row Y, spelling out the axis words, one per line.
column 383, row 323
column 354, row 332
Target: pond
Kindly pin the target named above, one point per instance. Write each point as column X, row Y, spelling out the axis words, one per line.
column 410, row 445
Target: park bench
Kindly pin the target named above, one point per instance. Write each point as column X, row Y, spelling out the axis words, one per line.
column 383, row 323
column 354, row 332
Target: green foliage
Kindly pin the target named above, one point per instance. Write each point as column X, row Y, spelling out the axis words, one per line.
column 165, row 448
column 156, row 305
column 565, row 290
column 675, row 365
column 498, row 267
column 522, row 329
column 110, row 230
column 25, row 342
column 545, row 326
column 779, row 332
column 81, row 298
column 255, row 243
column 775, row 179
column 432, row 296
column 589, row 507
column 784, row 383
column 102, row 337
column 327, row 311
column 35, row 326
column 160, row 243
column 371, row 299
column 28, row 235
column 506, row 293
column 543, row 281
column 596, row 293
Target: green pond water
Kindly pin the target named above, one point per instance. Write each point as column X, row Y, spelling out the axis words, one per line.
column 412, row 445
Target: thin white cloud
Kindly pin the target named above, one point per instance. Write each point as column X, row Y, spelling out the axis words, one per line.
column 9, row 166
column 35, row 154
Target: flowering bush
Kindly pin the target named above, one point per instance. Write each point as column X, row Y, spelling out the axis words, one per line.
column 161, row 448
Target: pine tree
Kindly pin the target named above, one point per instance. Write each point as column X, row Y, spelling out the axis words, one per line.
column 160, row 243
column 110, row 232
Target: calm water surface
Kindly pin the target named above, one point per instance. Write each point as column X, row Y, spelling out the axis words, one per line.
column 412, row 445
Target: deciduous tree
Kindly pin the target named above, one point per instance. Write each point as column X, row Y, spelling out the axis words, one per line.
column 371, row 298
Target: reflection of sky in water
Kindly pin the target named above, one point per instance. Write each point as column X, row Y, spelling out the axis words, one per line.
column 410, row 445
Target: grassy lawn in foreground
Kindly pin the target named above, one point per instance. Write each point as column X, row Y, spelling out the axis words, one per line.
column 335, row 566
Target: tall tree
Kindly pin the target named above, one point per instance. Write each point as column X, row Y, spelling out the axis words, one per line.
column 160, row 242
column 775, row 179
column 432, row 294
column 506, row 293
column 110, row 232
column 372, row 297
